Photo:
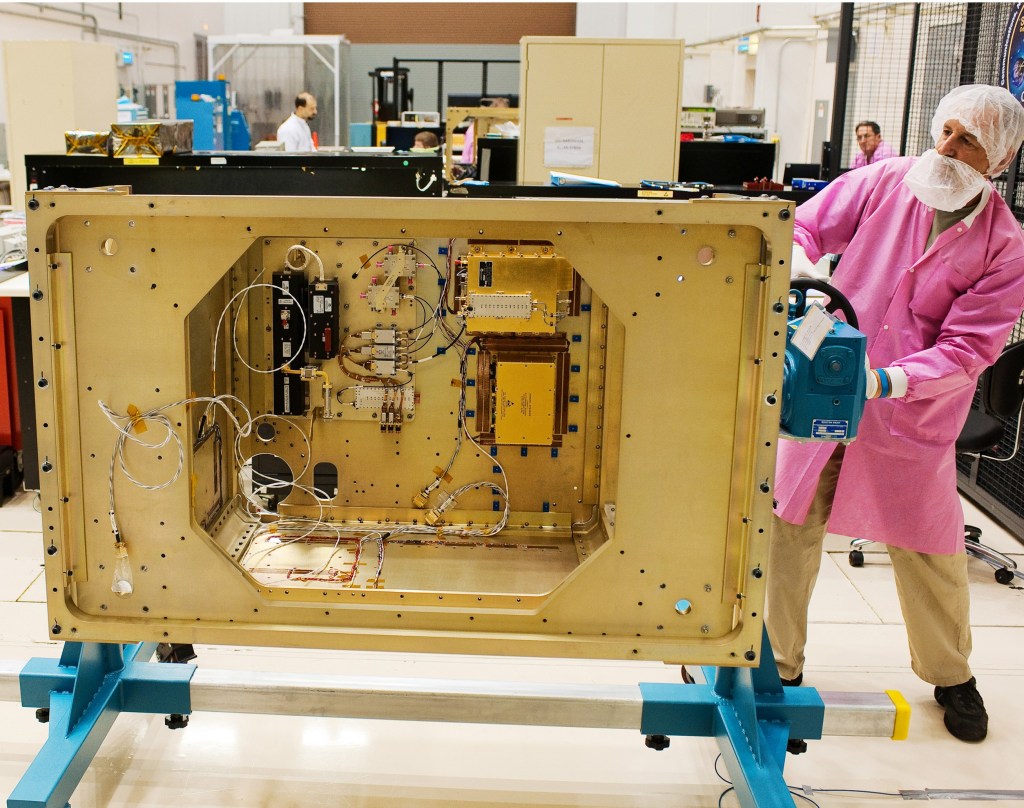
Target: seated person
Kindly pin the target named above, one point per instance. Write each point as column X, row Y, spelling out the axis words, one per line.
column 425, row 141
column 872, row 147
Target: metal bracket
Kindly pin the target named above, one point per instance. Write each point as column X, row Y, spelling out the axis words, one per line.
column 749, row 713
column 85, row 690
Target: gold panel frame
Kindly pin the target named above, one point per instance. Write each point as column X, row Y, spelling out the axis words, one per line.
column 643, row 536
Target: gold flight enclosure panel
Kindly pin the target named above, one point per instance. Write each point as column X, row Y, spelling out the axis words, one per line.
column 500, row 426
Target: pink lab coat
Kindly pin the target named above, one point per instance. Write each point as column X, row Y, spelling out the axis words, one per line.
column 943, row 316
column 883, row 152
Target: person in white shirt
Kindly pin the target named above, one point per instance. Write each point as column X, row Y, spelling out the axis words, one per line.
column 294, row 132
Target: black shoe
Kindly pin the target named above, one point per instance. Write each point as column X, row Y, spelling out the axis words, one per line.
column 965, row 717
column 799, row 680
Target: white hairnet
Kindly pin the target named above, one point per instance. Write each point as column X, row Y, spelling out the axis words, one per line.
column 989, row 113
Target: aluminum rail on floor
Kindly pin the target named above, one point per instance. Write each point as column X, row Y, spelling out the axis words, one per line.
column 481, row 702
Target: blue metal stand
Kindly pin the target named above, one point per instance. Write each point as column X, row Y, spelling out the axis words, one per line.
column 750, row 714
column 84, row 692
column 746, row 709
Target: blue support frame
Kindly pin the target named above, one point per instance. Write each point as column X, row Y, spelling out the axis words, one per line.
column 84, row 691
column 749, row 713
column 746, row 709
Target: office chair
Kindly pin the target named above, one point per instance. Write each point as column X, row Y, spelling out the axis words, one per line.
column 1002, row 398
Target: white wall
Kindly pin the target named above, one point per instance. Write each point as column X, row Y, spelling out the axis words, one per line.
column 168, row 28
column 161, row 36
column 785, row 76
column 262, row 18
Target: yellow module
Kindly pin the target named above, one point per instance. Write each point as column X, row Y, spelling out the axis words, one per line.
column 524, row 410
column 282, row 421
column 522, row 289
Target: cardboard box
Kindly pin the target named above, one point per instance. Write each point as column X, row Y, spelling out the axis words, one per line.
column 150, row 138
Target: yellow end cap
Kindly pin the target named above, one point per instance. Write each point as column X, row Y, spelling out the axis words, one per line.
column 901, row 726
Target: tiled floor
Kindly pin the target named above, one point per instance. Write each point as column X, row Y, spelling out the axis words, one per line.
column 857, row 643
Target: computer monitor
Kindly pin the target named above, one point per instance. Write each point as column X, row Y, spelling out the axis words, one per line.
column 723, row 163
column 497, row 159
column 809, row 171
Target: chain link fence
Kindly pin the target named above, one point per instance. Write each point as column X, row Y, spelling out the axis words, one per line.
column 904, row 58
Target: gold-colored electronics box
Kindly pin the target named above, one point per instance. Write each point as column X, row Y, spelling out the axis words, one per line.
column 507, row 426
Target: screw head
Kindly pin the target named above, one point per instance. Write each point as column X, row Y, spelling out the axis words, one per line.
column 37, row 294
column 750, row 656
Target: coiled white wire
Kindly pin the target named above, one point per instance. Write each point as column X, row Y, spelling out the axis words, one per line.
column 255, row 508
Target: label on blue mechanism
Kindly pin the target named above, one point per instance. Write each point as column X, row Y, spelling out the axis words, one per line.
column 829, row 429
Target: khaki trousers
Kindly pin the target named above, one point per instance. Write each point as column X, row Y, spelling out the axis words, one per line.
column 933, row 593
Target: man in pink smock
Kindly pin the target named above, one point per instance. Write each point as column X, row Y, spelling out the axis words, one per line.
column 872, row 148
column 933, row 263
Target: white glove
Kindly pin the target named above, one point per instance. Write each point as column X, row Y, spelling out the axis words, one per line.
column 802, row 267
column 886, row 382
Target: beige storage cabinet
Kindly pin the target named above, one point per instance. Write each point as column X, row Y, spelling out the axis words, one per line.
column 605, row 108
column 53, row 87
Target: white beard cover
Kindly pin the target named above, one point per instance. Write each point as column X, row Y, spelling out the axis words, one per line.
column 942, row 182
